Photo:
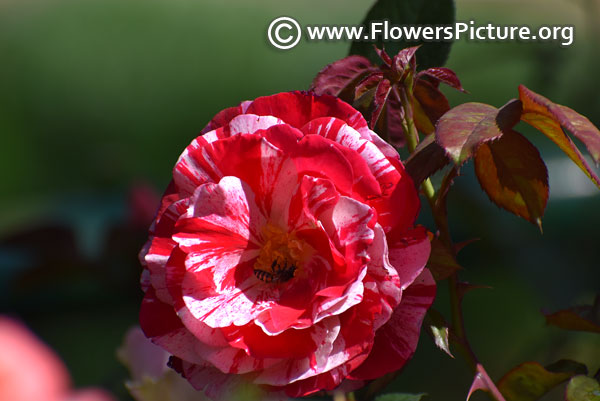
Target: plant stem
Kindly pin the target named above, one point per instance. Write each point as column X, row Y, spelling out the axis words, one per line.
column 437, row 203
column 410, row 130
column 428, row 189
column 438, row 207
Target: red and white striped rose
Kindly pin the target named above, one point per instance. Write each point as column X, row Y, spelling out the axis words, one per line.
column 284, row 252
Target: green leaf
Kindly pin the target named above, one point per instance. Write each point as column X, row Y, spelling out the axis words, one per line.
column 409, row 12
column 549, row 118
column 514, row 176
column 583, row 388
column 400, row 397
column 438, row 329
column 441, row 263
column 579, row 318
column 530, row 381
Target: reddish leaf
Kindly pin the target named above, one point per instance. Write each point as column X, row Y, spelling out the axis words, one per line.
column 427, row 158
column 549, row 117
column 461, row 130
column 483, row 382
column 445, row 75
column 405, row 59
column 441, row 263
column 514, row 176
column 530, row 381
column 383, row 56
column 337, row 76
column 464, row 127
column 367, row 83
column 381, row 95
column 393, row 121
column 580, row 318
column 429, row 105
column 509, row 114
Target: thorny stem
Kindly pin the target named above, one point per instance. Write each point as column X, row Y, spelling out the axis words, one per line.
column 437, row 203
column 458, row 326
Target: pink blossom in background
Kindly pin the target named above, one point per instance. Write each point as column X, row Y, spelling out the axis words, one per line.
column 142, row 203
column 150, row 377
column 31, row 371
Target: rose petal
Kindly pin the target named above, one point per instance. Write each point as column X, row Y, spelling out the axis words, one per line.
column 395, row 342
column 409, row 254
column 222, row 118
column 168, row 332
column 290, row 370
column 228, row 207
column 258, row 344
column 298, row 108
column 386, row 169
column 383, row 278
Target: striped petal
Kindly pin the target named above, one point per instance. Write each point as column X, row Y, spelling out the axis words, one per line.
column 298, row 108
column 396, row 341
column 250, row 123
column 386, row 170
column 409, row 254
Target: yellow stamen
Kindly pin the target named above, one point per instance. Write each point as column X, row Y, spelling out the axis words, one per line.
column 281, row 247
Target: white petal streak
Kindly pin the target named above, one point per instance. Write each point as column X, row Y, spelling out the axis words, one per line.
column 280, row 182
column 386, row 278
column 236, row 305
column 193, row 168
column 250, row 123
column 210, row 136
column 350, row 219
column 230, row 205
column 377, row 161
column 319, row 195
column 336, row 306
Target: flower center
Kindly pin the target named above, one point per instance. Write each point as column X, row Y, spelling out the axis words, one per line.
column 281, row 255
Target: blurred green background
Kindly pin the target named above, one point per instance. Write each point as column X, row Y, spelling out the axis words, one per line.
column 99, row 97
